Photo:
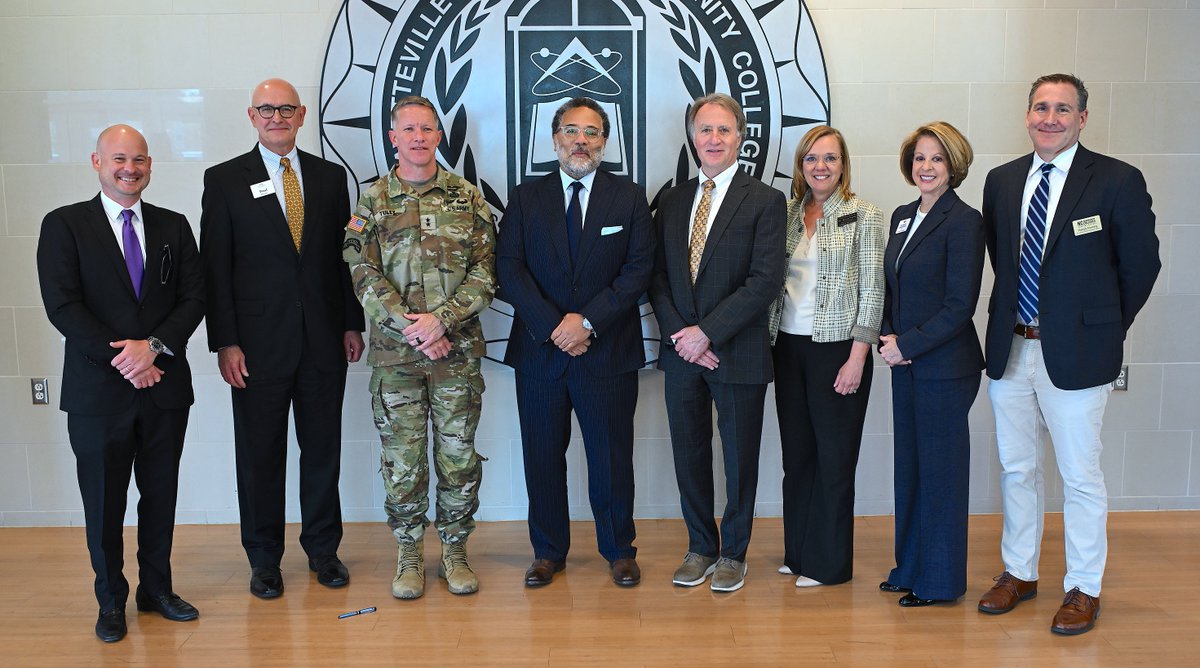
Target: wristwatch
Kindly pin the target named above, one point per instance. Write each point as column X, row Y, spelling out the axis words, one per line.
column 587, row 324
column 156, row 345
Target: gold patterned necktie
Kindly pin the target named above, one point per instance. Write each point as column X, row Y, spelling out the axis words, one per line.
column 700, row 229
column 293, row 202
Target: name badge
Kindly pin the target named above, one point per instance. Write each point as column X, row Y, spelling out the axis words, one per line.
column 903, row 226
column 847, row 219
column 262, row 189
column 428, row 223
column 1086, row 225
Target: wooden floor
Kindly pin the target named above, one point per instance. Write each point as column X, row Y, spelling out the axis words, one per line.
column 1150, row 614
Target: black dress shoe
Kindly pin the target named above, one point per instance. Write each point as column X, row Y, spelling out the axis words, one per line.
column 168, row 605
column 541, row 572
column 266, row 582
column 110, row 627
column 910, row 600
column 330, row 571
column 887, row 586
column 625, row 572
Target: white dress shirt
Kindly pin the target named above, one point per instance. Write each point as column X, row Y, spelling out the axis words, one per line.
column 116, row 222
column 584, row 192
column 722, row 182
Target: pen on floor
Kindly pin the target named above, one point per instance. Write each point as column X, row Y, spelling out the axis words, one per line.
column 353, row 613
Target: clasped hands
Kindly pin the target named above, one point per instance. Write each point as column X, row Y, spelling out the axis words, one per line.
column 890, row 352
column 693, row 345
column 571, row 336
column 135, row 362
column 427, row 334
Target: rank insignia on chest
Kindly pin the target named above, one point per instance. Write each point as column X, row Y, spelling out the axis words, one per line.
column 428, row 222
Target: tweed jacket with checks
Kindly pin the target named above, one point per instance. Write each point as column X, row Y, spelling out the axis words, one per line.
column 850, row 284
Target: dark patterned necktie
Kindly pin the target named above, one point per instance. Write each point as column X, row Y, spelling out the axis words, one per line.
column 1031, row 248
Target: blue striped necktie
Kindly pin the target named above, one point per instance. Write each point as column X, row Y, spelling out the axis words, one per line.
column 1031, row 248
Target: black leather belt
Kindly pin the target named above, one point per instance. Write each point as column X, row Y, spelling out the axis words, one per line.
column 1027, row 332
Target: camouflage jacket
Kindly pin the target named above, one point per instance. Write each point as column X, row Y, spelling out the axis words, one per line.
column 422, row 252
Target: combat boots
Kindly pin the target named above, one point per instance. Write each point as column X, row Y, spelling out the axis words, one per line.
column 410, row 571
column 455, row 570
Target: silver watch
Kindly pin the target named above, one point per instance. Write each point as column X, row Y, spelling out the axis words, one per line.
column 156, row 345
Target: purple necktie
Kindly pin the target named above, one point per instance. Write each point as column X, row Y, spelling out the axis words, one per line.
column 133, row 252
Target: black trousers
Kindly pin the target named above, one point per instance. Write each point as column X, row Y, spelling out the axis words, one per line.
column 604, row 408
column 690, row 399
column 820, row 432
column 260, row 425
column 144, row 441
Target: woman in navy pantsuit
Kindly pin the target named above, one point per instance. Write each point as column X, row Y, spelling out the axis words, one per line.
column 933, row 267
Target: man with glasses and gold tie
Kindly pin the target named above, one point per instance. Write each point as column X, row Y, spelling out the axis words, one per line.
column 284, row 322
column 1070, row 234
column 574, row 255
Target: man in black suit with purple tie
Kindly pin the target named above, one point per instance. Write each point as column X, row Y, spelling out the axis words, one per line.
column 121, row 279
column 574, row 255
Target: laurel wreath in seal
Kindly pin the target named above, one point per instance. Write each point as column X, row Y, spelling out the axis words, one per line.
column 448, row 91
column 697, row 71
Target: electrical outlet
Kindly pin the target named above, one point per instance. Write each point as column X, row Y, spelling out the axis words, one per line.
column 40, row 388
column 1121, row 384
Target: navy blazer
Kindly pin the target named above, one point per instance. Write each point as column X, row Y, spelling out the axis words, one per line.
column 933, row 288
column 89, row 298
column 1091, row 285
column 262, row 294
column 612, row 271
column 741, row 270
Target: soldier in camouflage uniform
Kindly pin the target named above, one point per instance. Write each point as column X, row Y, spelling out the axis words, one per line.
column 420, row 248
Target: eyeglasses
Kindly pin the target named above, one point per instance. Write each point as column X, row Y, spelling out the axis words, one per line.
column 285, row 110
column 571, row 132
column 829, row 159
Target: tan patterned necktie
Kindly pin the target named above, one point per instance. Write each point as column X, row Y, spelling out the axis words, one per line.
column 293, row 201
column 700, row 229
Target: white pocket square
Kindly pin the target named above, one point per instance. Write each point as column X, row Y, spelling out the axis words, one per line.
column 605, row 231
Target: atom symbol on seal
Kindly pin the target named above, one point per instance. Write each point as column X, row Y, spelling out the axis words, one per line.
column 576, row 68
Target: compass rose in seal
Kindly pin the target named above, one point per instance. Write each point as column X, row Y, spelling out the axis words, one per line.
column 497, row 69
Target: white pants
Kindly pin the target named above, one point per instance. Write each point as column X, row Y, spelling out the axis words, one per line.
column 1023, row 400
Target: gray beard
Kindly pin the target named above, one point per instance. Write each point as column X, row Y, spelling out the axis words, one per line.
column 577, row 168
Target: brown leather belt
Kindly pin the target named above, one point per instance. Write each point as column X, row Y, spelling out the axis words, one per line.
column 1027, row 332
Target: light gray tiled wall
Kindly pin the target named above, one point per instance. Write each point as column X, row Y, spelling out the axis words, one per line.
column 183, row 76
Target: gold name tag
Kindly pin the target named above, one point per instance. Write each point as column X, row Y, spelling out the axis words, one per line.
column 1086, row 225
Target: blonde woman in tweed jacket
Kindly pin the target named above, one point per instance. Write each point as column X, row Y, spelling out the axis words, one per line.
column 823, row 325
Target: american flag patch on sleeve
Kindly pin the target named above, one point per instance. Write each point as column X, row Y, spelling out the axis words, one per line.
column 356, row 224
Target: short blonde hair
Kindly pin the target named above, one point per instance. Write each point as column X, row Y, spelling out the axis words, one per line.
column 954, row 145
column 799, row 185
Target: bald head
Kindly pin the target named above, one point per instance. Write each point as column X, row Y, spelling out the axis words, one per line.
column 285, row 115
column 122, row 160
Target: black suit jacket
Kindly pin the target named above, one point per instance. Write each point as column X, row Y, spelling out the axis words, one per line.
column 262, row 294
column 1091, row 285
column 615, row 259
column 89, row 298
column 740, row 273
column 933, row 288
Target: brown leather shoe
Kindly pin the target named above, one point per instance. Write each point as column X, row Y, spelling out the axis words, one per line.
column 1006, row 594
column 625, row 572
column 1077, row 615
column 541, row 572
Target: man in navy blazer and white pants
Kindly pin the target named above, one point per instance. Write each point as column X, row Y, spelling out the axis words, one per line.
column 1070, row 234
column 574, row 255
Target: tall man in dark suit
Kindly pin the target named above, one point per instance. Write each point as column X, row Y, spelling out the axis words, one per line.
column 720, row 264
column 1071, row 239
column 574, row 254
column 283, row 321
column 121, row 279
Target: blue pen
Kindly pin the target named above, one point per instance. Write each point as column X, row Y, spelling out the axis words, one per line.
column 364, row 611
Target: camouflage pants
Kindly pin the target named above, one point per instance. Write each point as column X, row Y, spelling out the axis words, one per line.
column 405, row 397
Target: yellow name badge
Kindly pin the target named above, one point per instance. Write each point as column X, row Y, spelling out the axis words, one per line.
column 1086, row 225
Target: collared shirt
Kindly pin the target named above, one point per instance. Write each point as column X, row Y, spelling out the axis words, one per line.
column 722, row 182
column 116, row 222
column 584, row 192
column 275, row 170
column 1058, row 176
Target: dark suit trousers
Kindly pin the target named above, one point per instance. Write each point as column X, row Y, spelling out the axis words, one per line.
column 933, row 464
column 260, row 424
column 690, row 398
column 820, row 433
column 145, row 441
column 604, row 408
